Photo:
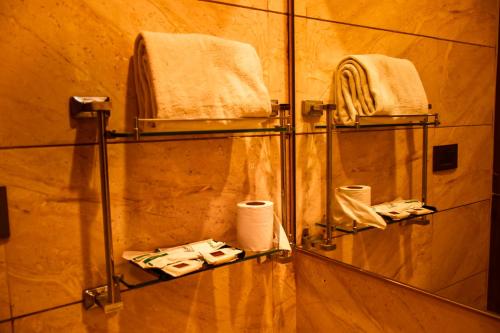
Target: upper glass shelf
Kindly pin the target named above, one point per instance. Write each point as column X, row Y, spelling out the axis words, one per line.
column 116, row 134
column 133, row 276
column 350, row 229
column 408, row 120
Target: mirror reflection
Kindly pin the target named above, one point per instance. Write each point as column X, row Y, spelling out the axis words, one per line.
column 452, row 48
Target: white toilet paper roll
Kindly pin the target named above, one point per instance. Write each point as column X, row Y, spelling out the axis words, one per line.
column 362, row 193
column 254, row 225
column 353, row 203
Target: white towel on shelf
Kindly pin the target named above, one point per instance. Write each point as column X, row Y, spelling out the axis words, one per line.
column 377, row 84
column 195, row 76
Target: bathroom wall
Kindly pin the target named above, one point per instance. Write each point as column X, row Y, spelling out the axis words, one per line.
column 164, row 192
column 337, row 298
column 452, row 44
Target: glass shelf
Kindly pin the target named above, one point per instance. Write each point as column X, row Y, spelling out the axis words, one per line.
column 388, row 220
column 407, row 121
column 115, row 134
column 133, row 276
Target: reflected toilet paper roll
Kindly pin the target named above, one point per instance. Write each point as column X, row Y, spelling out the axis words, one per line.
column 254, row 225
column 362, row 193
column 353, row 203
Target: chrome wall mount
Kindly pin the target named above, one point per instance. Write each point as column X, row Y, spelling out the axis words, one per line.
column 108, row 296
column 315, row 109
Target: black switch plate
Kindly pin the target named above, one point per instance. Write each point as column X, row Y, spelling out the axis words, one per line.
column 444, row 157
column 4, row 214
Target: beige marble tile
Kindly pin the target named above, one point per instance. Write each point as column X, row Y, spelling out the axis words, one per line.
column 284, row 298
column 471, row 181
column 67, row 39
column 336, row 298
column 229, row 299
column 473, row 21
column 274, row 5
column 161, row 195
column 459, row 79
column 190, row 192
column 55, row 248
column 388, row 161
column 6, row 327
column 409, row 246
column 4, row 287
column 472, row 291
column 460, row 244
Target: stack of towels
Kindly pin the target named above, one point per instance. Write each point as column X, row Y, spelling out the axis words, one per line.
column 195, row 76
column 372, row 84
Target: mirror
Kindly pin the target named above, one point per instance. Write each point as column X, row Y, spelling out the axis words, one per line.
column 452, row 45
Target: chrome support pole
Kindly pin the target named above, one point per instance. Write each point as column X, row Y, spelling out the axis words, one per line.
column 283, row 168
column 291, row 120
column 328, row 245
column 425, row 145
column 113, row 301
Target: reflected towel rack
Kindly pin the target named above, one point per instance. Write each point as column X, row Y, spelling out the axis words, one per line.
column 312, row 108
column 108, row 296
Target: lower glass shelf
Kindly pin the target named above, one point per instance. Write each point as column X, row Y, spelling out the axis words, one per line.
column 133, row 276
column 351, row 230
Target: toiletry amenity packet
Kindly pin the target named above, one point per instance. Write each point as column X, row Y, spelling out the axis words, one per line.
column 400, row 209
column 166, row 256
column 221, row 256
column 183, row 267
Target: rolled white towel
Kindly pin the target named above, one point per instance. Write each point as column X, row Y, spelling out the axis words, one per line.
column 377, row 84
column 194, row 76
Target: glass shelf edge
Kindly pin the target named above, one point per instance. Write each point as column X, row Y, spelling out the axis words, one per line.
column 387, row 220
column 377, row 125
column 154, row 278
column 116, row 134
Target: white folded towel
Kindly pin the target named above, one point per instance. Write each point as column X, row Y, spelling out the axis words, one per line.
column 377, row 84
column 194, row 76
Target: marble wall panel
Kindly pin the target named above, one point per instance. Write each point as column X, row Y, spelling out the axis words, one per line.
column 472, row 291
column 55, row 248
column 335, row 297
column 53, row 50
column 473, row 21
column 230, row 299
column 161, row 195
column 409, row 246
column 388, row 161
column 460, row 244
column 285, row 302
column 165, row 194
column 4, row 287
column 6, row 327
column 274, row 5
column 454, row 247
column 459, row 79
column 471, row 181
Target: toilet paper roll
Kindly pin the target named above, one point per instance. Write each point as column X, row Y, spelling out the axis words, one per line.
column 353, row 203
column 254, row 225
column 362, row 193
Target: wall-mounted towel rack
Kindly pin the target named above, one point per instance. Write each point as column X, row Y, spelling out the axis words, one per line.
column 108, row 296
column 317, row 108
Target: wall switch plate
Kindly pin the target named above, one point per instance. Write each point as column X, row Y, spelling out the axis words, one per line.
column 4, row 214
column 444, row 157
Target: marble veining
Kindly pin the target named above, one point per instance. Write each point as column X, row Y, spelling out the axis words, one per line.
column 336, row 298
column 459, row 79
column 68, row 38
column 472, row 21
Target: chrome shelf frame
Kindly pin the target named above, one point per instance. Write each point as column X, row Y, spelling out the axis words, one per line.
column 108, row 296
column 316, row 109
